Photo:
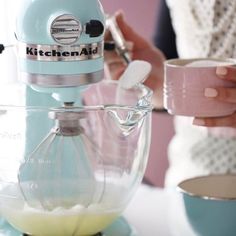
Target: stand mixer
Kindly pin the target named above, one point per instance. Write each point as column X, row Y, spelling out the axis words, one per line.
column 79, row 156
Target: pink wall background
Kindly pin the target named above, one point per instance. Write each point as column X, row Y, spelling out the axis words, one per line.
column 142, row 15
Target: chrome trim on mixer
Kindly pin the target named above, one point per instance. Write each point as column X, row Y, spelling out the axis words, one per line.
column 56, row 53
column 62, row 80
column 67, row 123
column 66, row 115
column 66, row 29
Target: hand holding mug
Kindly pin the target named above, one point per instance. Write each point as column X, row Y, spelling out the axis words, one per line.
column 188, row 81
column 222, row 94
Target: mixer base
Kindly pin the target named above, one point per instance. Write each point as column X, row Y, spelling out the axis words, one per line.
column 98, row 234
column 119, row 228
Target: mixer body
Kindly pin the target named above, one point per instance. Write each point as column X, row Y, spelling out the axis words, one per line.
column 60, row 42
column 59, row 49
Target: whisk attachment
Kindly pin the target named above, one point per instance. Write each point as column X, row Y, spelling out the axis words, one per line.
column 60, row 172
column 67, row 123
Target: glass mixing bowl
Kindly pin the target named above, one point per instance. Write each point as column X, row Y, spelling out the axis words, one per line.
column 71, row 171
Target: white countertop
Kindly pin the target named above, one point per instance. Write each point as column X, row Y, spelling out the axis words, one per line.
column 158, row 212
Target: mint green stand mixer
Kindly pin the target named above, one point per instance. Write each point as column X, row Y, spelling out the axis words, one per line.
column 82, row 155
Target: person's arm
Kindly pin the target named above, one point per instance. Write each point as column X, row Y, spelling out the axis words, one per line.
column 141, row 50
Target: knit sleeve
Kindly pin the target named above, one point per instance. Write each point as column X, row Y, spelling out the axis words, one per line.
column 204, row 28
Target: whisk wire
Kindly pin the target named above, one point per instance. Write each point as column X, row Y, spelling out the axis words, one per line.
column 23, row 171
column 91, row 145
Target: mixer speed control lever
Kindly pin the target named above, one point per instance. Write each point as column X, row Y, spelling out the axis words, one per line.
column 1, row 48
column 94, row 28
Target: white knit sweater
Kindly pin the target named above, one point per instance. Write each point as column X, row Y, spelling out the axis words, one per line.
column 204, row 28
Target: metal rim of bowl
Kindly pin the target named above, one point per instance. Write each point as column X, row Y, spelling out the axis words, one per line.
column 147, row 96
column 181, row 190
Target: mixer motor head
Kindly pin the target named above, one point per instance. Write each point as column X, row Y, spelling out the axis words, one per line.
column 60, row 43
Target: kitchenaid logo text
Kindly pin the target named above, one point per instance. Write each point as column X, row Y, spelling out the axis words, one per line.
column 61, row 53
column 55, row 53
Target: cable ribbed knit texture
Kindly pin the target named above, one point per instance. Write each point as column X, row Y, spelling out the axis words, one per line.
column 204, row 28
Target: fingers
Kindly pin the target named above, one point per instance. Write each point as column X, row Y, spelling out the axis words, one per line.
column 115, row 63
column 116, row 69
column 227, row 73
column 224, row 94
column 227, row 121
column 111, row 55
column 221, row 94
column 129, row 33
